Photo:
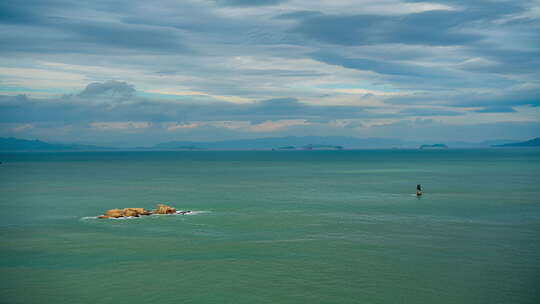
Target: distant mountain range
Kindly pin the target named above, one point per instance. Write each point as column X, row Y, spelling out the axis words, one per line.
column 268, row 143
column 317, row 142
column 535, row 142
column 290, row 142
column 15, row 144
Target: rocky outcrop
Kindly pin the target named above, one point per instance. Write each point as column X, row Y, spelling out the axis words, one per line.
column 116, row 213
column 136, row 212
column 164, row 209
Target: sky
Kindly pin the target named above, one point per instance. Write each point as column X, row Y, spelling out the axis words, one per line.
column 136, row 73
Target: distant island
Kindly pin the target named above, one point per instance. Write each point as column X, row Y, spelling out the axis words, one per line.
column 286, row 148
column 310, row 147
column 172, row 146
column 287, row 143
column 535, row 142
column 434, row 146
column 322, row 147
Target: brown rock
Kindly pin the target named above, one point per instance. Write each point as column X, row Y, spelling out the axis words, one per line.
column 164, row 209
column 138, row 210
column 135, row 212
column 114, row 213
column 130, row 212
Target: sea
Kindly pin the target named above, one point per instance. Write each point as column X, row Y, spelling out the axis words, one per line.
column 272, row 227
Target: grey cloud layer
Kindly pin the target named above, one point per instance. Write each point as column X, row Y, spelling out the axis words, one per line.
column 489, row 103
column 472, row 54
column 249, row 2
column 110, row 88
column 116, row 101
column 428, row 28
column 54, row 26
column 194, row 28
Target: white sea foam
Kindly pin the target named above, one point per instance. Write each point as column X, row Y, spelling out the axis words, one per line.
column 197, row 212
column 84, row 218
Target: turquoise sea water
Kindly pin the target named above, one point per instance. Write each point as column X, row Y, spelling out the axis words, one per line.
column 275, row 227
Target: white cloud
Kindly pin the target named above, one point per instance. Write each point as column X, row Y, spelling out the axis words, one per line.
column 38, row 78
column 184, row 126
column 271, row 126
column 380, row 7
column 120, row 125
column 233, row 99
column 22, row 127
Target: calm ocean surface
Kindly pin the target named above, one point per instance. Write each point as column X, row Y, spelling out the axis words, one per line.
column 274, row 227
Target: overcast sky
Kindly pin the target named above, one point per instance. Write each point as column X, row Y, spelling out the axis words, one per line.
column 142, row 72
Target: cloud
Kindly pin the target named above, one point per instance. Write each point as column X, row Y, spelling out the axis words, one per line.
column 429, row 112
column 517, row 96
column 271, row 126
column 431, row 130
column 124, row 36
column 22, row 127
column 234, row 99
column 379, row 66
column 221, row 68
column 120, row 125
column 75, row 108
column 182, row 126
column 438, row 28
column 59, row 27
column 249, row 2
column 110, row 88
column 496, row 109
